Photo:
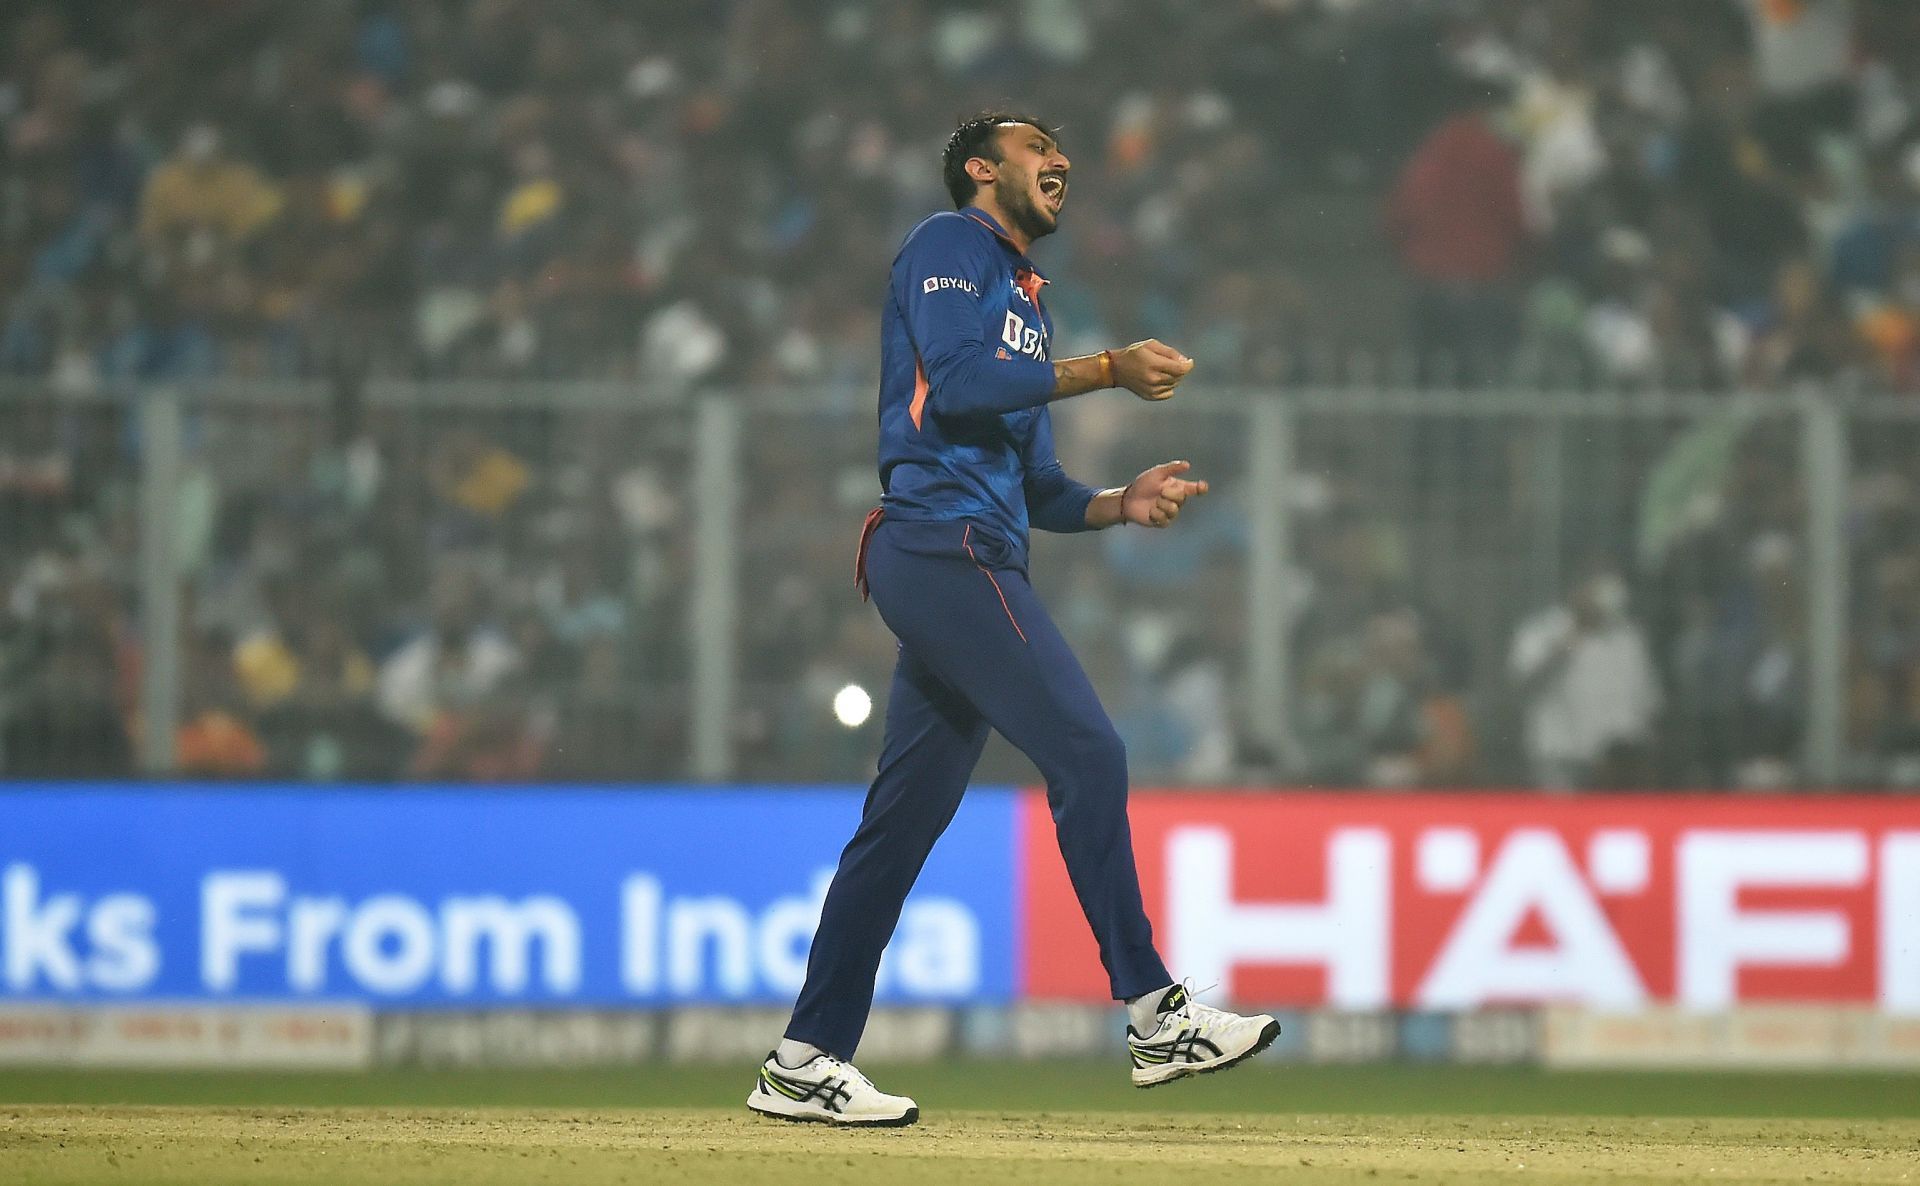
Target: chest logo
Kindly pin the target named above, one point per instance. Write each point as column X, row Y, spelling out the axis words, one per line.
column 1030, row 340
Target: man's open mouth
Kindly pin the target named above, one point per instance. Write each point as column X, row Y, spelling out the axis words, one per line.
column 1053, row 188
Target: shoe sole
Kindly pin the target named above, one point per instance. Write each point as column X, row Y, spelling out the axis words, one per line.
column 910, row 1116
column 1268, row 1033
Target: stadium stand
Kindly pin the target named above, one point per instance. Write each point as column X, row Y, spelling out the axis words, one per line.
column 1618, row 198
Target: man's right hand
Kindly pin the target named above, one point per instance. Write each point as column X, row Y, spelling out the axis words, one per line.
column 1150, row 369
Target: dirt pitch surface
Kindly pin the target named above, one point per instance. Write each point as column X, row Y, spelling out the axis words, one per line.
column 122, row 1146
column 1058, row 1124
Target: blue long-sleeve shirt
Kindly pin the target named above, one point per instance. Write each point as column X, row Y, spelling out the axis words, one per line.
column 965, row 377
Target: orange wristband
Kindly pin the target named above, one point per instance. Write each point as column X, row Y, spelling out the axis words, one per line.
column 1106, row 368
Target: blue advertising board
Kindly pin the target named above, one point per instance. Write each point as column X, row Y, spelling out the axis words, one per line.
column 440, row 896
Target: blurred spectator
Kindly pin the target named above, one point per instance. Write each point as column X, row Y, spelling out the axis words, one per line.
column 450, row 667
column 311, row 687
column 1334, row 729
column 1456, row 217
column 1178, row 716
column 66, row 723
column 1738, row 667
column 1803, row 55
column 597, row 719
column 489, row 741
column 1377, row 713
column 1886, row 692
column 1773, row 709
column 215, row 738
column 1743, row 193
column 475, row 478
column 1590, row 688
column 197, row 203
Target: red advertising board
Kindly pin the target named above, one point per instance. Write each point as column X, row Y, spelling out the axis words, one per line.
column 1462, row 901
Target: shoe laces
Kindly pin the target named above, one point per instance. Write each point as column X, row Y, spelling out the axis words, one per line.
column 846, row 1070
column 1193, row 1014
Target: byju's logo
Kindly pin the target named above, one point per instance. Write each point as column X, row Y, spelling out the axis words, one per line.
column 936, row 283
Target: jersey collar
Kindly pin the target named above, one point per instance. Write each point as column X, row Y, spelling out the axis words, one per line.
column 987, row 220
column 1029, row 278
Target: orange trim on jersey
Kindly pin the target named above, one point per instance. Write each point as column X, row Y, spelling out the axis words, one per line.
column 867, row 529
column 918, row 407
column 1030, row 282
column 997, row 232
column 966, row 541
column 1026, row 279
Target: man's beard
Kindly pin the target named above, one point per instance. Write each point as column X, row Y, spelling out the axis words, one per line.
column 1016, row 201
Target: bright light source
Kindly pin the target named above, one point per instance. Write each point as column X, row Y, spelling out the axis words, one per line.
column 852, row 706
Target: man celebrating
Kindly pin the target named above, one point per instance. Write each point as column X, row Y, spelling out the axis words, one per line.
column 967, row 465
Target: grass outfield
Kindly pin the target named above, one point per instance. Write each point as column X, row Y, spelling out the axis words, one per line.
column 1059, row 1124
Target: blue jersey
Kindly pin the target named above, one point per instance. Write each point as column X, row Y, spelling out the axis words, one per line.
column 965, row 378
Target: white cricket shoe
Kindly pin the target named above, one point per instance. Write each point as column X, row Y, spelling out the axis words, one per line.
column 827, row 1090
column 1194, row 1039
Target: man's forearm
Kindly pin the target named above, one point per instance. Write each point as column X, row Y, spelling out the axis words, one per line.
column 1105, row 509
column 1077, row 376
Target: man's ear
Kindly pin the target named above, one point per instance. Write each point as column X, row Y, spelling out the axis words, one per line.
column 982, row 170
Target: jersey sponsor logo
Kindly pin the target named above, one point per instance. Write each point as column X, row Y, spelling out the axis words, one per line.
column 936, row 283
column 1030, row 340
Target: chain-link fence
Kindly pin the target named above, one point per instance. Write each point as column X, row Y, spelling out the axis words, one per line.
column 1880, row 663
column 1555, row 591
column 1386, row 588
column 328, row 582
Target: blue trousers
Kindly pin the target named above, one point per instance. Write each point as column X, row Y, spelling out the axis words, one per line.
column 977, row 651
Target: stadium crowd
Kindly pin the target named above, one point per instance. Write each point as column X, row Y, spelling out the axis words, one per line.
column 679, row 194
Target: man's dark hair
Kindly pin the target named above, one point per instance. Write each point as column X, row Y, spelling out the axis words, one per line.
column 978, row 136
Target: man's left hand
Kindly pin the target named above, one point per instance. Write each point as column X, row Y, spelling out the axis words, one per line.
column 1155, row 497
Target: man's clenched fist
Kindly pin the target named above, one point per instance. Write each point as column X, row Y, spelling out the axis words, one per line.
column 1150, row 369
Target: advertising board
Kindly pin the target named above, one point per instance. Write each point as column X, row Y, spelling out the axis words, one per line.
column 540, row 898
column 441, row 897
column 1462, row 902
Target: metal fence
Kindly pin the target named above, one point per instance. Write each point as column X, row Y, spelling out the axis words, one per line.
column 1387, row 588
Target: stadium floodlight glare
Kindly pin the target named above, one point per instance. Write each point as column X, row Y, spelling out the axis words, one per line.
column 852, row 706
